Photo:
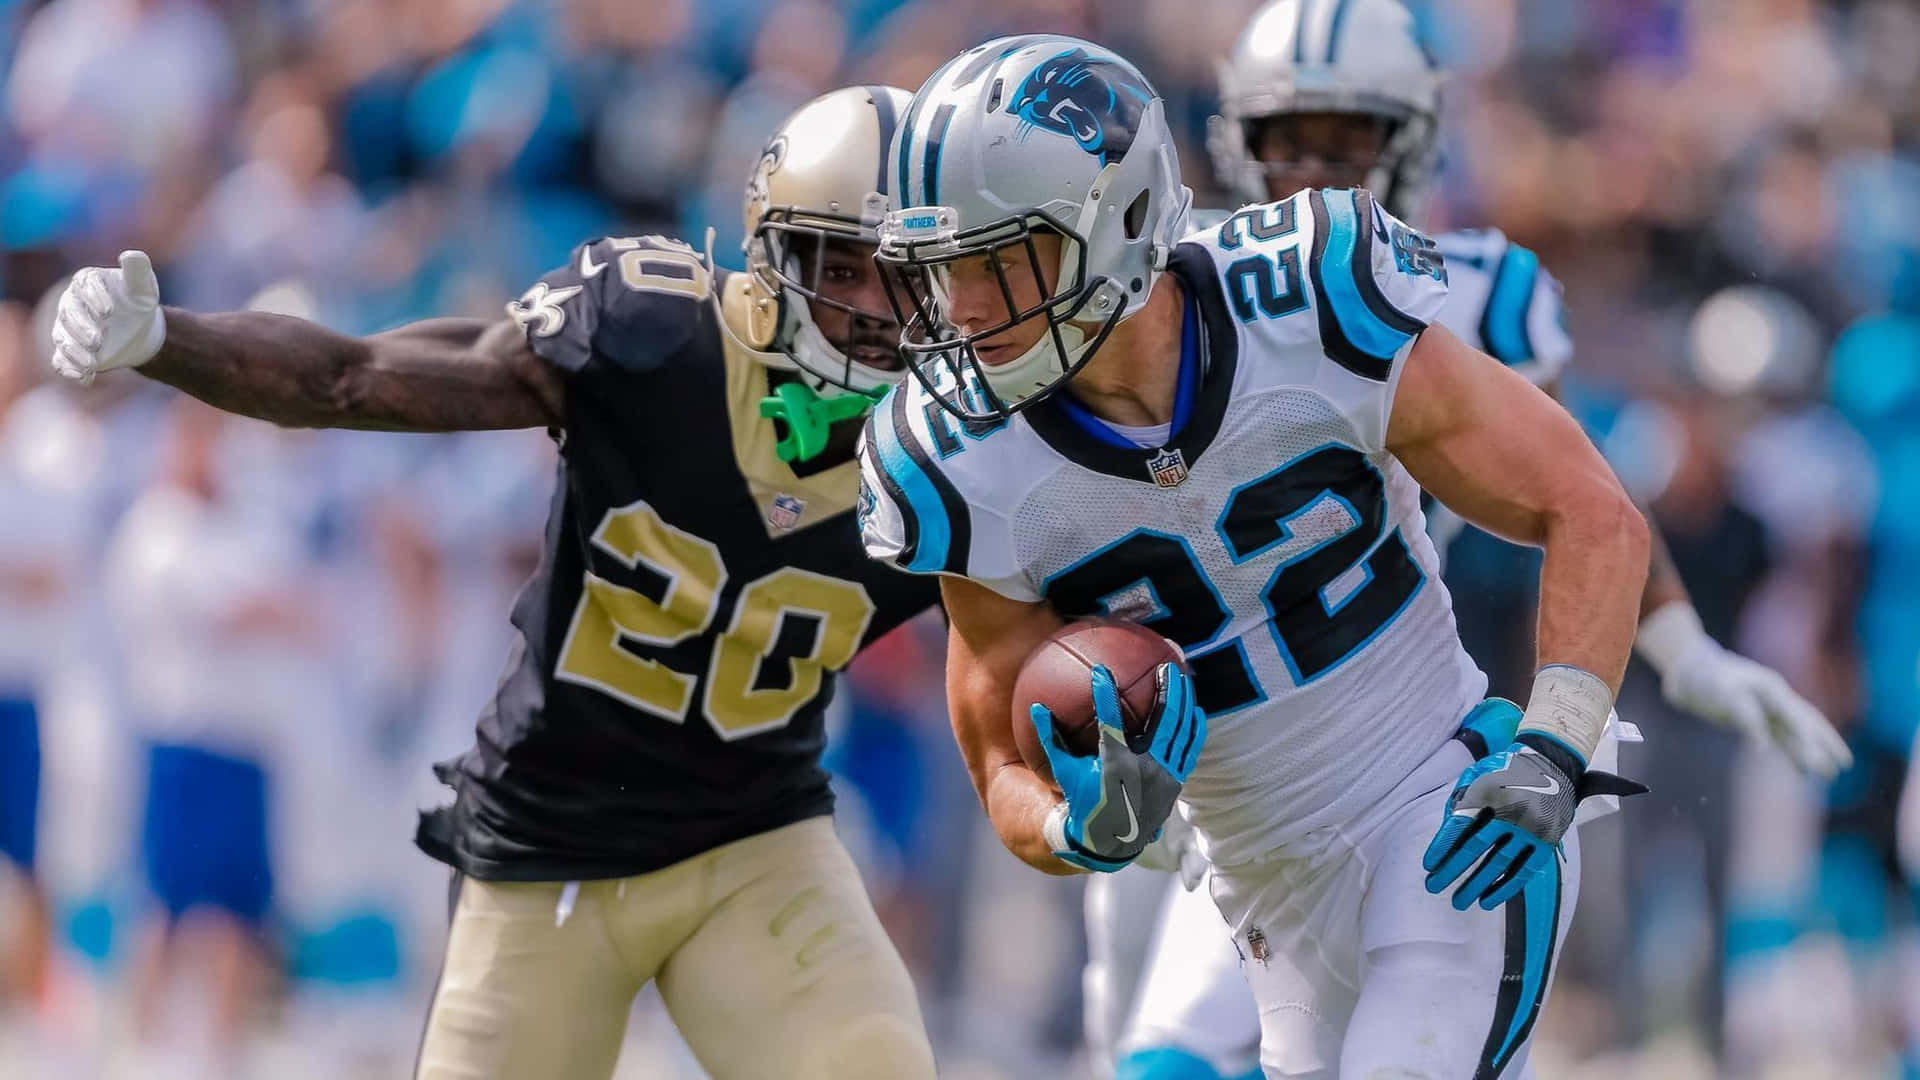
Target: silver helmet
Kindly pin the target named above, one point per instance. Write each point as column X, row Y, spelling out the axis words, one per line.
column 1362, row 57
column 1016, row 139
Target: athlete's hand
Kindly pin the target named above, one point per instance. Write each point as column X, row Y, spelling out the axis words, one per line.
column 1117, row 800
column 1507, row 815
column 1700, row 676
column 108, row 318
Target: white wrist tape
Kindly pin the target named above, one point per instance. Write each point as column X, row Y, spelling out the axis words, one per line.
column 1054, row 829
column 1571, row 705
column 1667, row 635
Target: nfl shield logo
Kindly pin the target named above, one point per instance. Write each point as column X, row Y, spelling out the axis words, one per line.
column 1168, row 467
column 786, row 511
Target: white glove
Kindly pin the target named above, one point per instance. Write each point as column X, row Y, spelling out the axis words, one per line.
column 1700, row 676
column 108, row 319
column 1176, row 851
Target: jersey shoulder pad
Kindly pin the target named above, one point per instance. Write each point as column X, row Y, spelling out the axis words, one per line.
column 1328, row 291
column 937, row 495
column 1371, row 281
column 911, row 514
column 1507, row 303
column 624, row 302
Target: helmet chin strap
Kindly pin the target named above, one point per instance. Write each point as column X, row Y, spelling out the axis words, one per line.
column 810, row 418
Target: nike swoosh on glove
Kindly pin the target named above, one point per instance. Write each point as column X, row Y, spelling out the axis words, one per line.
column 1117, row 800
column 1507, row 815
column 108, row 318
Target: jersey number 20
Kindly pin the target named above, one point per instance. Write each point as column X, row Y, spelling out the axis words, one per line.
column 738, row 702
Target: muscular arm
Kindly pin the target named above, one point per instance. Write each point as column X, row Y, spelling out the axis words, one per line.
column 989, row 638
column 1504, row 456
column 434, row 375
column 1663, row 577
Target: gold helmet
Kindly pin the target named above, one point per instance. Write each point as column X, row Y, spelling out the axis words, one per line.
column 823, row 178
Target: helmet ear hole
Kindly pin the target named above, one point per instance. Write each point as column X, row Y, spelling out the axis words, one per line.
column 1136, row 217
column 993, row 94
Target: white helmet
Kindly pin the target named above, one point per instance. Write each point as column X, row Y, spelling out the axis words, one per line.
column 1338, row 56
column 1025, row 135
column 822, row 175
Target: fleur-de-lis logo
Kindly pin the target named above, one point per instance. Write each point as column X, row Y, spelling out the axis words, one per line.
column 538, row 310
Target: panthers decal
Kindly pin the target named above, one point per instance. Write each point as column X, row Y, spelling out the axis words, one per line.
column 1089, row 99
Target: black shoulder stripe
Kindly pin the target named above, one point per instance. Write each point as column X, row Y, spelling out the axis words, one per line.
column 1333, row 339
column 1364, row 222
column 883, row 105
column 959, row 522
column 910, row 524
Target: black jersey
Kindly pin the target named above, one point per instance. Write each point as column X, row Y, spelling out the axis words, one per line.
column 679, row 643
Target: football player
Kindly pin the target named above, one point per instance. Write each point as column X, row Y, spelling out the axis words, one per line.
column 1322, row 93
column 1225, row 438
column 644, row 800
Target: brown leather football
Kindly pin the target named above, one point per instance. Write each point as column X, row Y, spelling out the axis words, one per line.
column 1059, row 675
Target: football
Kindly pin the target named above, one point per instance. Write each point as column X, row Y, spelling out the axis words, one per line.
column 1059, row 675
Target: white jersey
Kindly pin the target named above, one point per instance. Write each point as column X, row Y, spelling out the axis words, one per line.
column 1501, row 301
column 1273, row 538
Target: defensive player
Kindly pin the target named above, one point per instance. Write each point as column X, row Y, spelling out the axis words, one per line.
column 644, row 799
column 1323, row 93
column 1225, row 439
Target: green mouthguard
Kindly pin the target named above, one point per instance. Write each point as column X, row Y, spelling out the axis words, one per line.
column 810, row 417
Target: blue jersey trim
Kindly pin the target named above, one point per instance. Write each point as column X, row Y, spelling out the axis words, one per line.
column 1503, row 325
column 1364, row 327
column 1188, row 388
column 922, row 500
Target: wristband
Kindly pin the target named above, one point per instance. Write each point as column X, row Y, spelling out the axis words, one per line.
column 1054, row 829
column 1570, row 706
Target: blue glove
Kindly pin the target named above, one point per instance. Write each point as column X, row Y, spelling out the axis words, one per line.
column 1507, row 815
column 1117, row 800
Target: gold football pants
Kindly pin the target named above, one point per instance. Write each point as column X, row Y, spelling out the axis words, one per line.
column 767, row 952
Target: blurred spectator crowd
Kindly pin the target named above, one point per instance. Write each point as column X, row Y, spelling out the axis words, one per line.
column 1728, row 189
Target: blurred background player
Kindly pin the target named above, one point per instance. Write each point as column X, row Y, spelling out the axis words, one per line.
column 1326, row 94
column 647, row 773
column 38, row 593
column 212, row 591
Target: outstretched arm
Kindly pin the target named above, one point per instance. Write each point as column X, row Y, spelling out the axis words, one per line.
column 436, row 375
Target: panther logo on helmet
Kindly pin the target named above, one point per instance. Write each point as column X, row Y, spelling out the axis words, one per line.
column 1090, row 99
